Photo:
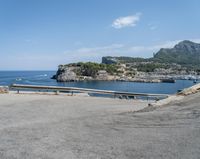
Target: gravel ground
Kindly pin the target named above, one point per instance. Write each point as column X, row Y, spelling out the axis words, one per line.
column 58, row 127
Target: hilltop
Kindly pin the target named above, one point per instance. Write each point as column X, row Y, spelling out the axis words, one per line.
column 182, row 59
column 185, row 53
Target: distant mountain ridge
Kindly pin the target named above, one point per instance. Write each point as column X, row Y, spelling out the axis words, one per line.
column 185, row 53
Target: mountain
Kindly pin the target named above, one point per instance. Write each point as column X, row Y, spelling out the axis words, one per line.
column 184, row 53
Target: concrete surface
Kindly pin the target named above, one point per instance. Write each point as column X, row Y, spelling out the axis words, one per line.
column 59, row 127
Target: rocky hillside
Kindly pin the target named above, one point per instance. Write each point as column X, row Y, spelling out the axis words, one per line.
column 184, row 53
column 85, row 71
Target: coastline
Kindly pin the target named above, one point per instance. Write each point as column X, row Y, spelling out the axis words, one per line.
column 142, row 104
column 165, row 79
column 5, row 89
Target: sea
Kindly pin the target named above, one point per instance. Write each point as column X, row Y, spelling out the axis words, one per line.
column 44, row 78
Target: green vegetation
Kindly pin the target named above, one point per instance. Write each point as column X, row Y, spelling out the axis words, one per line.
column 124, row 59
column 92, row 68
column 150, row 67
column 182, row 58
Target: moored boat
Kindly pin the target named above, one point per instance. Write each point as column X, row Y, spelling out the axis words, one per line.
column 168, row 80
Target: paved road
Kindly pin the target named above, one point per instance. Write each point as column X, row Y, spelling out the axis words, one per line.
column 49, row 127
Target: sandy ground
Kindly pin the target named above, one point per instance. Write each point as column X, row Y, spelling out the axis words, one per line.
column 58, row 127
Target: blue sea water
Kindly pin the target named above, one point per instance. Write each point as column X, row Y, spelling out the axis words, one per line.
column 44, row 78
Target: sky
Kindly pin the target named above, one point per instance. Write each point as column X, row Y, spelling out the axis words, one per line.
column 41, row 34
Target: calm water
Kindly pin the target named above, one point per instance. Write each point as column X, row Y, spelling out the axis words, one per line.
column 44, row 78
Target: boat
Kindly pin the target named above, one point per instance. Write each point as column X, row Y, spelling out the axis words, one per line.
column 168, row 80
column 195, row 81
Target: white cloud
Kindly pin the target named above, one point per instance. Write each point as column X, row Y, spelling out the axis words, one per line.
column 36, row 61
column 152, row 26
column 92, row 53
column 100, row 49
column 170, row 44
column 96, row 53
column 148, row 50
column 195, row 40
column 128, row 21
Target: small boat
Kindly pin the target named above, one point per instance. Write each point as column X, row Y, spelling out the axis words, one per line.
column 195, row 81
column 168, row 80
column 180, row 90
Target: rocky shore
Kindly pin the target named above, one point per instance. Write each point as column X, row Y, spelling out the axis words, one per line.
column 69, row 74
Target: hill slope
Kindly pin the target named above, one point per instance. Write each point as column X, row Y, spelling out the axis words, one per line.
column 184, row 53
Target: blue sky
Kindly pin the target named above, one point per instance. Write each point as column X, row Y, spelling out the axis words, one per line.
column 41, row 34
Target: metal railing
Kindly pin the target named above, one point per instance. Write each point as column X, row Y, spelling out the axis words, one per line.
column 57, row 89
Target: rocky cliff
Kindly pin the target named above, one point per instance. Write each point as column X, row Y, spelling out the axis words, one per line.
column 85, row 71
column 184, row 53
column 65, row 74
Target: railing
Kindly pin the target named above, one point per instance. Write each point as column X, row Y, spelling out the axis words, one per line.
column 72, row 90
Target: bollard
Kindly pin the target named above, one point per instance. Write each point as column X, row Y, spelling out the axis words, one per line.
column 57, row 92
